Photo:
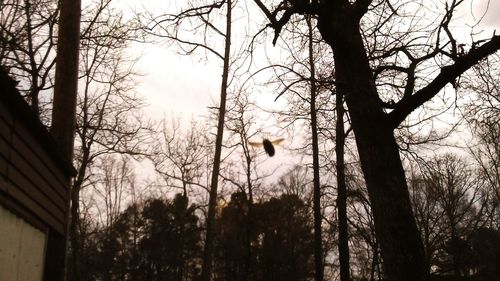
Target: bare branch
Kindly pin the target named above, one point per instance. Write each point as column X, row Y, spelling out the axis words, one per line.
column 296, row 7
column 448, row 75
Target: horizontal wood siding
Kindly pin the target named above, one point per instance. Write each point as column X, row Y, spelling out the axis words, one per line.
column 4, row 152
column 42, row 170
column 29, row 174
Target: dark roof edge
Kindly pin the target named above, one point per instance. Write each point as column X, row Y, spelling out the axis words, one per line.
column 11, row 97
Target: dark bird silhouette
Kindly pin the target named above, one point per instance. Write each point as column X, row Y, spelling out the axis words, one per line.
column 268, row 145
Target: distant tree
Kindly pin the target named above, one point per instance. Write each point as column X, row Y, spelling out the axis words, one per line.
column 170, row 248
column 451, row 203
column 296, row 181
column 113, row 250
column 241, row 125
column 483, row 114
column 89, row 230
column 108, row 119
column 232, row 262
column 113, row 180
column 107, row 235
column 453, row 185
column 485, row 247
column 428, row 215
column 182, row 157
column 177, row 28
column 127, row 230
column 364, row 250
column 241, row 169
column 286, row 237
column 282, row 240
column 152, row 240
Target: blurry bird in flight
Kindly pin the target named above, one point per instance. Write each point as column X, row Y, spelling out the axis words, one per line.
column 267, row 144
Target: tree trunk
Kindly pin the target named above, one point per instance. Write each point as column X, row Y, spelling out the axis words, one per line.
column 341, row 190
column 210, row 234
column 396, row 230
column 66, row 80
column 74, row 236
column 250, row 219
column 66, row 89
column 318, row 245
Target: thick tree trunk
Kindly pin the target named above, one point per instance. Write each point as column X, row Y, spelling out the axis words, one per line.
column 396, row 230
column 65, row 94
column 66, row 80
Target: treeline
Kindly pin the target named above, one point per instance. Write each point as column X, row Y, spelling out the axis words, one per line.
column 272, row 239
column 161, row 239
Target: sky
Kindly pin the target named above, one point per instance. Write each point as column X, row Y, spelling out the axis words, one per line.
column 178, row 85
column 187, row 85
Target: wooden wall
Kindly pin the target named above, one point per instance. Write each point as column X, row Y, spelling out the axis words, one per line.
column 34, row 176
column 32, row 172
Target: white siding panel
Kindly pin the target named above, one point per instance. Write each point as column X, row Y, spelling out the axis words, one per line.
column 22, row 249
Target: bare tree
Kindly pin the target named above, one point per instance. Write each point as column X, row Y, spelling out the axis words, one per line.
column 241, row 170
column 297, row 182
column 309, row 89
column 210, row 234
column 241, row 125
column 364, row 252
column 108, row 115
column 182, row 156
column 483, row 114
column 27, row 48
column 63, row 115
column 457, row 191
column 170, row 27
column 113, row 184
column 342, row 27
column 427, row 214
column 318, row 239
column 103, row 204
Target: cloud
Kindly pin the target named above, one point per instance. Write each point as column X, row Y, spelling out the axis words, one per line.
column 175, row 84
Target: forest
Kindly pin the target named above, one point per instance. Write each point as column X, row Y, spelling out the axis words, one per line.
column 384, row 114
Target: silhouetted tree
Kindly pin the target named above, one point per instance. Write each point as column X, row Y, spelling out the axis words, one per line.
column 109, row 120
column 27, row 48
column 181, row 157
column 170, row 247
column 286, row 238
column 483, row 114
column 456, row 190
column 281, row 240
column 485, row 248
column 233, row 235
column 359, row 61
column 170, row 27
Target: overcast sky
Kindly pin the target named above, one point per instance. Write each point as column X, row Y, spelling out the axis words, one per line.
column 174, row 84
column 181, row 84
